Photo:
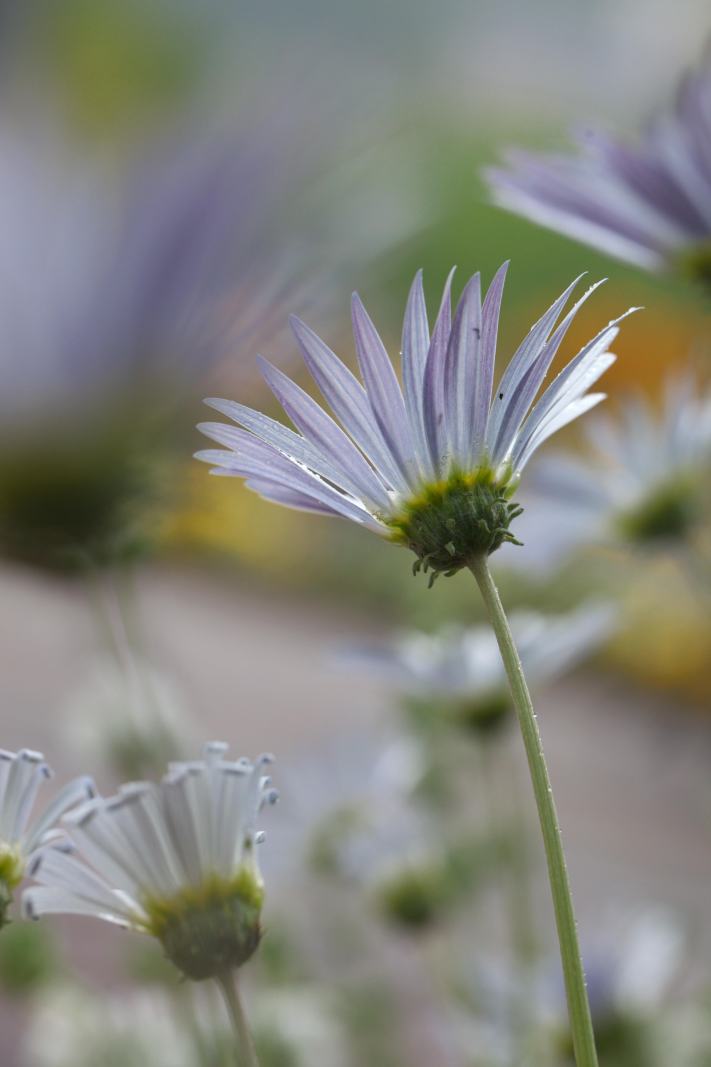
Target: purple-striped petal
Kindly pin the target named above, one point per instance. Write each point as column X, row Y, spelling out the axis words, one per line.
column 278, row 493
column 490, row 312
column 433, row 385
column 383, row 389
column 528, row 387
column 257, row 461
column 502, row 418
column 554, row 421
column 460, row 370
column 290, row 444
column 584, row 369
column 316, row 426
column 415, row 346
column 348, row 401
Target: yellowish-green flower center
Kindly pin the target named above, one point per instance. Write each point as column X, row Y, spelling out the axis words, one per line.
column 452, row 522
column 12, row 869
column 209, row 929
column 12, row 865
column 666, row 515
column 696, row 264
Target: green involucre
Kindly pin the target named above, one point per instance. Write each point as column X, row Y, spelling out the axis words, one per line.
column 452, row 522
column 211, row 929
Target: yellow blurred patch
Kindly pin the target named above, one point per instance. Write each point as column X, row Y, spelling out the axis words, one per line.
column 665, row 640
column 219, row 515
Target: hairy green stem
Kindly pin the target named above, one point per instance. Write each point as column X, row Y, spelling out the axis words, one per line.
column 578, row 1006
column 230, row 989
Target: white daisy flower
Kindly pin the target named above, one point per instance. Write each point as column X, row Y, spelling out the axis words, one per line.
column 462, row 667
column 22, row 775
column 175, row 860
column 644, row 483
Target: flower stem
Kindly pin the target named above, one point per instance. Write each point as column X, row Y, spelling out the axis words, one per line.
column 230, row 990
column 578, row 1006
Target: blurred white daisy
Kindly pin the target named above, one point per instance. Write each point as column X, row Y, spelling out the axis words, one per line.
column 175, row 860
column 631, row 969
column 462, row 666
column 22, row 775
column 644, row 483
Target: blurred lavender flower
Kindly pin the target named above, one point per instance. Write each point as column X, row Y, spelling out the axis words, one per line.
column 462, row 667
column 115, row 292
column 432, row 465
column 649, row 204
column 21, row 776
column 176, row 861
column 645, row 484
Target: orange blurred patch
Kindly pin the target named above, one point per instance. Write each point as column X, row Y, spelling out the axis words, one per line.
column 663, row 336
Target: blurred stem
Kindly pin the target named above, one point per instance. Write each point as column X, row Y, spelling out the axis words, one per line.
column 578, row 1007
column 186, row 1018
column 230, row 989
column 112, row 595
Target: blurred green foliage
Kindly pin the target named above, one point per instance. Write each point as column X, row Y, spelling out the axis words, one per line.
column 28, row 958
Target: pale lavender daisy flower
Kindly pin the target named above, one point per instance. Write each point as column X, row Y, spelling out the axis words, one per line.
column 119, row 291
column 643, row 482
column 175, row 860
column 431, row 464
column 648, row 203
column 22, row 775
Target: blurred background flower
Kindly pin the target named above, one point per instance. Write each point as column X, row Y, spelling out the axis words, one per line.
column 646, row 203
column 460, row 672
column 643, row 481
